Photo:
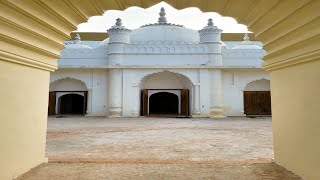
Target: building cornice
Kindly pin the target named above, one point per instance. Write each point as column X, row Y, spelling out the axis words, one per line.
column 313, row 56
column 13, row 58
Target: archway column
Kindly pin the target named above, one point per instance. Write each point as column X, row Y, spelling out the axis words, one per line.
column 115, row 92
column 196, row 103
column 216, row 99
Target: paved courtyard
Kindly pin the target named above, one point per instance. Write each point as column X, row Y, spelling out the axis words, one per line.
column 159, row 148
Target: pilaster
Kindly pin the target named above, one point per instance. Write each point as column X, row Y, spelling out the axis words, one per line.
column 115, row 92
column 216, row 99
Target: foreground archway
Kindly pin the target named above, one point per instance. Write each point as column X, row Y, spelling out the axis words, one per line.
column 32, row 36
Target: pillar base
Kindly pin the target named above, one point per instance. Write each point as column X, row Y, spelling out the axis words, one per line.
column 135, row 114
column 115, row 112
column 114, row 116
column 217, row 113
column 196, row 114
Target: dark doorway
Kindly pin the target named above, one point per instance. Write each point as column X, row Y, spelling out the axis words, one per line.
column 163, row 103
column 257, row 103
column 52, row 103
column 71, row 104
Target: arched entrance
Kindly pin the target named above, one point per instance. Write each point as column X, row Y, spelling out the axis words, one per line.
column 71, row 104
column 164, row 103
column 67, row 96
column 166, row 93
column 257, row 98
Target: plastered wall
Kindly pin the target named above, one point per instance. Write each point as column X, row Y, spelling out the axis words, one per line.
column 296, row 135
column 23, row 126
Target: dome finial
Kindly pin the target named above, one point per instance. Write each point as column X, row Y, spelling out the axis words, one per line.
column 119, row 22
column 246, row 37
column 210, row 22
column 77, row 39
column 162, row 19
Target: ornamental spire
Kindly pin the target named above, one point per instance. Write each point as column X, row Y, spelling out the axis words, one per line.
column 162, row 19
column 246, row 40
column 77, row 39
column 118, row 22
column 210, row 22
column 246, row 37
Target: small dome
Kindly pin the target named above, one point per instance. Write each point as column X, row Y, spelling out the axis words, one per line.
column 223, row 45
column 76, row 44
column 247, row 44
column 104, row 43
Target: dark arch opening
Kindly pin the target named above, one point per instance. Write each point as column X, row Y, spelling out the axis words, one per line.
column 71, row 104
column 163, row 103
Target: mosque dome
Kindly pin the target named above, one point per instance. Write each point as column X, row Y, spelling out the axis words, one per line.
column 247, row 44
column 163, row 31
column 76, row 44
column 104, row 43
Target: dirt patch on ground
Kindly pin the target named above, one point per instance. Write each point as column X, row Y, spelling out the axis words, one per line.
column 159, row 138
column 159, row 148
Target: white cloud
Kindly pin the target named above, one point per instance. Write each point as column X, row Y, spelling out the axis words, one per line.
column 134, row 17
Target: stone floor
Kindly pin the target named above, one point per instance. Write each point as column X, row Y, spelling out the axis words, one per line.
column 159, row 148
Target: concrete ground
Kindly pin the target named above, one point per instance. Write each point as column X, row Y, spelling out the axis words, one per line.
column 159, row 148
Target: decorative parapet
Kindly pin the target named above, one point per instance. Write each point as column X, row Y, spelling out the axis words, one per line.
column 165, row 49
column 83, row 53
column 243, row 53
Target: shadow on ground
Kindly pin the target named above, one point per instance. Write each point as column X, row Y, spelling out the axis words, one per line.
column 218, row 170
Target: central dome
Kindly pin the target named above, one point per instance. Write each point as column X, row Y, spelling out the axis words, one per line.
column 163, row 31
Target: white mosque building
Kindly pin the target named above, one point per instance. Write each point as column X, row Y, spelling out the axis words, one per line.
column 161, row 69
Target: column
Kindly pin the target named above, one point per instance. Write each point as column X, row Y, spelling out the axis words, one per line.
column 136, row 100
column 241, row 100
column 115, row 93
column 196, row 103
column 216, row 99
column 89, row 102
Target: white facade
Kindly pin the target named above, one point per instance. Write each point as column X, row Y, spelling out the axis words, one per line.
column 161, row 57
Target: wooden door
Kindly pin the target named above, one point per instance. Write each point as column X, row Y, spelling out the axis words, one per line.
column 185, row 102
column 264, row 102
column 257, row 102
column 52, row 103
column 144, row 102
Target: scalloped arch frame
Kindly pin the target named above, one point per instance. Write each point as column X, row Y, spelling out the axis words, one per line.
column 71, row 78
column 244, row 84
column 146, row 74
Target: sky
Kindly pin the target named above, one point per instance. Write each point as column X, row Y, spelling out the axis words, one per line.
column 134, row 17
